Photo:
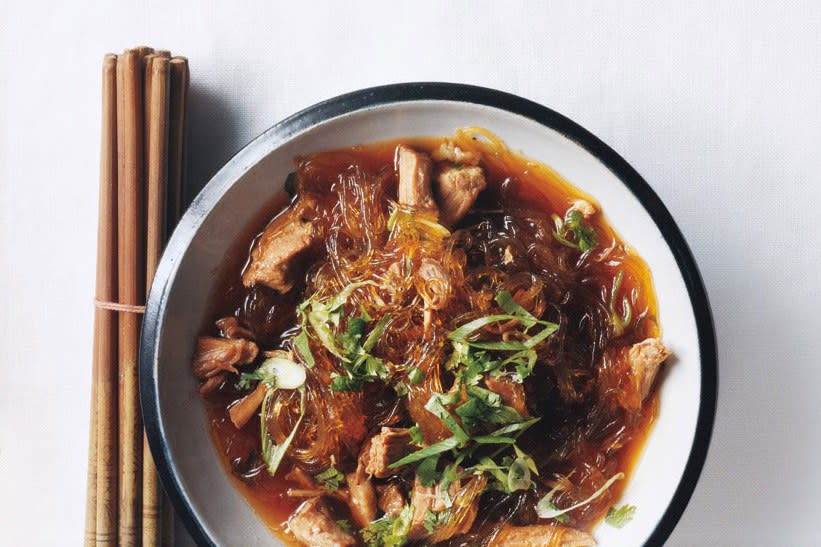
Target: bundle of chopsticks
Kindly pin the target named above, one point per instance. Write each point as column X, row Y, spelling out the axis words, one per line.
column 141, row 180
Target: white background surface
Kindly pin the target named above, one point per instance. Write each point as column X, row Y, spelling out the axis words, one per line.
column 717, row 106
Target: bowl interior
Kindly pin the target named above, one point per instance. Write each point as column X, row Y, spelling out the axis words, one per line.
column 189, row 272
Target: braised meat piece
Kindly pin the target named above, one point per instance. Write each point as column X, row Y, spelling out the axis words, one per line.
column 215, row 355
column 276, row 255
column 388, row 446
column 457, row 190
column 511, row 392
column 424, row 499
column 313, row 525
column 414, row 179
column 391, row 500
column 362, row 497
column 230, row 327
column 450, row 151
column 645, row 359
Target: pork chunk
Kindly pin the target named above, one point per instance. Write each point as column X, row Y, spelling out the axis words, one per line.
column 312, row 524
column 391, row 500
column 275, row 258
column 415, row 179
column 216, row 355
column 428, row 498
column 645, row 359
column 362, row 497
column 512, row 393
column 458, row 188
column 542, row 535
column 388, row 446
column 230, row 327
column 450, row 151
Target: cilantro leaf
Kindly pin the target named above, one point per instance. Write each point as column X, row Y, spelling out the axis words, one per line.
column 330, row 479
column 435, row 520
column 426, row 471
column 360, row 366
column 389, row 532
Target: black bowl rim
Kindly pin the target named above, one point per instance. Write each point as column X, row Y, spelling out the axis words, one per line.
column 414, row 92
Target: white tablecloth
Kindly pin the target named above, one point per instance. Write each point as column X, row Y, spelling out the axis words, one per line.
column 717, row 104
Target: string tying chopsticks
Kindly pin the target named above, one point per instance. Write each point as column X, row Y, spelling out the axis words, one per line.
column 115, row 306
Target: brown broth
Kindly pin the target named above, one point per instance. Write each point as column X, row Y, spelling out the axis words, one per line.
column 514, row 181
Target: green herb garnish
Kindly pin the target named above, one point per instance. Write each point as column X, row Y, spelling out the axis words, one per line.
column 621, row 516
column 435, row 520
column 389, row 532
column 416, row 375
column 619, row 322
column 272, row 454
column 330, row 479
column 547, row 510
column 573, row 224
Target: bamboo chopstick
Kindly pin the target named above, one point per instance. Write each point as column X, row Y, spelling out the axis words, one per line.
column 157, row 86
column 177, row 117
column 91, row 484
column 105, row 323
column 131, row 267
column 177, row 137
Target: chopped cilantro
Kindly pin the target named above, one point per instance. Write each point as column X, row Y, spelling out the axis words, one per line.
column 389, row 532
column 426, row 471
column 330, row 479
column 435, row 520
column 360, row 366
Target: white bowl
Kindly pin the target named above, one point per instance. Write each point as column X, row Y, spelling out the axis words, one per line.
column 175, row 420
